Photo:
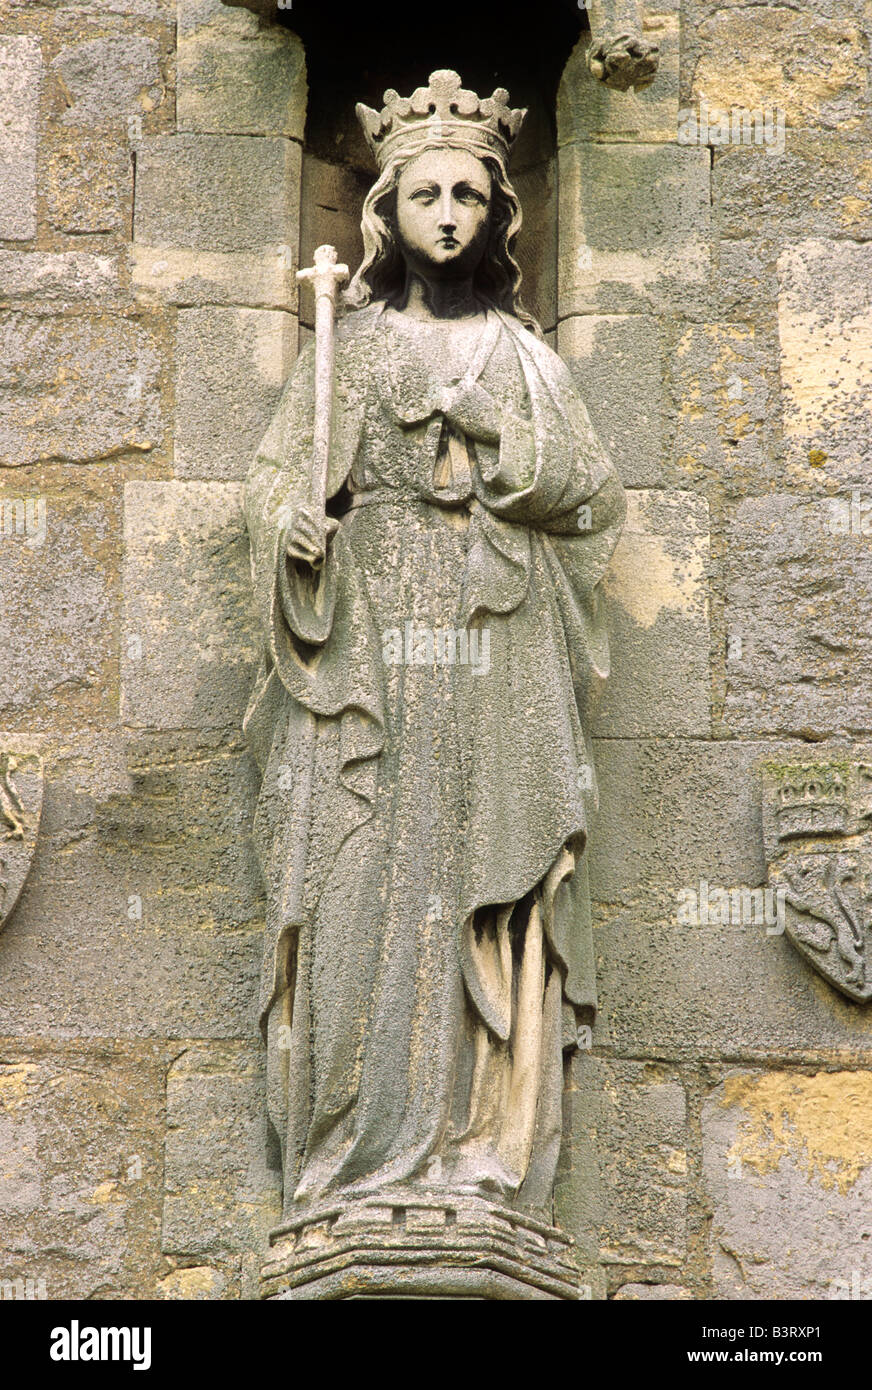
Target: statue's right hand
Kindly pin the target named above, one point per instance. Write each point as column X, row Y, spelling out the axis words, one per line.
column 306, row 535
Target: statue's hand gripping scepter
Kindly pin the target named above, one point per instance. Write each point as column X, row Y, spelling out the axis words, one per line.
column 307, row 535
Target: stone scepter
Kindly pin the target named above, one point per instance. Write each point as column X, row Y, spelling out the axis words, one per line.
column 325, row 276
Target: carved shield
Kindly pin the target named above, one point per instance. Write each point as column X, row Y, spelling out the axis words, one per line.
column 817, row 826
column 20, row 810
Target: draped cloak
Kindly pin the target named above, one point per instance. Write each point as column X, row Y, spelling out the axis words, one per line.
column 408, row 805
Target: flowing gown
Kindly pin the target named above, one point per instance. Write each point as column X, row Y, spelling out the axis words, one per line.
column 419, row 721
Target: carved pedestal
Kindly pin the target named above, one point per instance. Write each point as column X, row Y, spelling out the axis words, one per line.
column 399, row 1245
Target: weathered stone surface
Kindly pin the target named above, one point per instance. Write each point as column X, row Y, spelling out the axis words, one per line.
column 684, row 991
column 589, row 110
column 794, row 587
column 747, row 285
column 59, row 612
column 331, row 200
column 216, row 219
column 647, row 1293
column 190, row 642
column 634, row 229
column 57, row 277
column 220, row 1193
column 81, row 1131
column 825, row 334
column 723, row 381
column 788, row 1169
column 78, row 389
column 89, row 183
column 813, row 66
column 151, row 10
column 230, row 368
column 667, row 985
column 105, row 80
column 820, row 186
column 224, row 193
column 616, row 363
column 20, row 79
column 237, row 76
column 195, row 1283
column 143, row 913
column 625, row 1193
column 190, row 278
column 537, row 241
column 673, row 812
column 658, row 620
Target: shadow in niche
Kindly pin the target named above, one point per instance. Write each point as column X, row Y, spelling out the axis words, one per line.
column 354, row 53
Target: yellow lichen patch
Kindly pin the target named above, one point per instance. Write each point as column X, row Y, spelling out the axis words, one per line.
column 200, row 1282
column 105, row 1191
column 13, row 1084
column 774, row 57
column 823, row 1123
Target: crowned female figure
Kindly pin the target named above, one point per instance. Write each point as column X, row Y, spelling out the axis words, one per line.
column 433, row 645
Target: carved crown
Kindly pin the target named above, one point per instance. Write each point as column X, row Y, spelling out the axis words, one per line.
column 812, row 801
column 442, row 113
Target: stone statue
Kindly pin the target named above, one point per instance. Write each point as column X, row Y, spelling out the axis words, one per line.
column 433, row 645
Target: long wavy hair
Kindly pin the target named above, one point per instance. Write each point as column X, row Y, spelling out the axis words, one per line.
column 382, row 272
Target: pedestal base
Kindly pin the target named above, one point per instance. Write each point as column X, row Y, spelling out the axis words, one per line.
column 402, row 1245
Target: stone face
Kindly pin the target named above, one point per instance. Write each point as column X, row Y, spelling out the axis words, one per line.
column 78, row 389
column 220, row 1193
column 813, row 66
column 616, row 363
column 589, row 110
column 189, row 647
column 658, row 620
column 142, row 916
column 636, row 220
column 106, row 80
column 59, row 615
column 788, row 1171
column 230, row 368
column 625, row 1194
column 797, row 647
column 81, row 1131
column 236, row 76
column 20, row 79
column 825, row 336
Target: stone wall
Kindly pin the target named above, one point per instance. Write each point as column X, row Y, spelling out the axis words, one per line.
column 714, row 306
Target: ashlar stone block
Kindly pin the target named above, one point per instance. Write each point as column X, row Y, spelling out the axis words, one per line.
column 190, row 641
column 787, row 1162
column 20, row 83
column 658, row 621
column 231, row 365
column 635, row 229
